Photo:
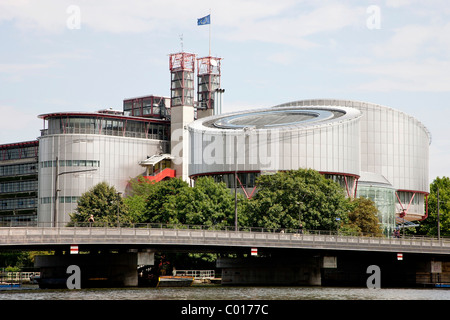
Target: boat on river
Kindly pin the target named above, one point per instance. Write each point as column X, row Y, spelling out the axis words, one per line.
column 175, row 281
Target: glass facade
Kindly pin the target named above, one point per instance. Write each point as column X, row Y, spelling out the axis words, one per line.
column 384, row 199
column 149, row 106
column 18, row 151
column 103, row 125
column 182, row 67
column 182, row 88
column 245, row 179
column 18, row 183
column 18, row 169
column 70, row 163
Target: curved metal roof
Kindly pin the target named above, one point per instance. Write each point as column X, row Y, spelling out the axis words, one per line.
column 351, row 104
column 288, row 118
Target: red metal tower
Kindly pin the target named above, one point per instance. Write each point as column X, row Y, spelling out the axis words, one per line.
column 182, row 67
column 208, row 80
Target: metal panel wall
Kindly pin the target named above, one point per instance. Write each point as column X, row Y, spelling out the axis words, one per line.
column 330, row 146
column 114, row 158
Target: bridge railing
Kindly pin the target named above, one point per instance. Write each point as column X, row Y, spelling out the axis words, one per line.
column 163, row 234
column 287, row 231
column 199, row 274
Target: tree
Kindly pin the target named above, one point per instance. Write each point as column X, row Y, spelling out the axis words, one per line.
column 16, row 259
column 174, row 202
column 429, row 226
column 104, row 203
column 138, row 191
column 207, row 203
column 290, row 198
column 363, row 218
column 161, row 198
column 135, row 206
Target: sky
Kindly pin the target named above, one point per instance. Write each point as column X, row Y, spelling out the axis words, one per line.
column 87, row 55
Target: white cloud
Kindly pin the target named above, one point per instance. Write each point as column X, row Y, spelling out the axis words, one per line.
column 414, row 58
column 287, row 21
column 413, row 41
column 21, row 67
column 46, row 15
column 294, row 29
column 428, row 76
column 399, row 3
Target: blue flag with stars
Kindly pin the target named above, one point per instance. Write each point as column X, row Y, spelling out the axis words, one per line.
column 204, row 20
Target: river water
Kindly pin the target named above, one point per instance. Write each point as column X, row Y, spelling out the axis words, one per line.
column 225, row 293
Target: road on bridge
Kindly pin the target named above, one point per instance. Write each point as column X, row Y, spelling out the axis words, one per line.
column 34, row 238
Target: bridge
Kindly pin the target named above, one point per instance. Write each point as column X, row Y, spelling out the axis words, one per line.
column 36, row 238
column 283, row 257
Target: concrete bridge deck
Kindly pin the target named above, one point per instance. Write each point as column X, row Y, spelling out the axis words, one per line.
column 34, row 238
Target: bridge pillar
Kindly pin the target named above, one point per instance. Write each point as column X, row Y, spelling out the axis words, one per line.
column 302, row 271
column 96, row 270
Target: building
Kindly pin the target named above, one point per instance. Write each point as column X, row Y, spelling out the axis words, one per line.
column 251, row 143
column 79, row 150
column 369, row 149
column 18, row 183
column 394, row 160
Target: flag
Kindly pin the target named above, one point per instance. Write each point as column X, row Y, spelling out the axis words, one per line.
column 204, row 20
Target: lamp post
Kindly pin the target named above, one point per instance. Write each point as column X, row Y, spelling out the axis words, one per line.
column 56, row 190
column 438, row 218
column 299, row 203
column 246, row 133
column 118, row 204
column 402, row 215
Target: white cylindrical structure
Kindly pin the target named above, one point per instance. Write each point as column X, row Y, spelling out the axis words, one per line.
column 259, row 141
column 394, row 146
column 79, row 150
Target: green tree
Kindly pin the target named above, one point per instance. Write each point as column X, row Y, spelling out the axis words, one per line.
column 104, row 203
column 363, row 217
column 288, row 198
column 429, row 226
column 16, row 259
column 207, row 203
column 174, row 202
column 159, row 201
column 136, row 206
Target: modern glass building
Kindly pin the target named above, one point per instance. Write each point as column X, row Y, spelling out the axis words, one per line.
column 18, row 182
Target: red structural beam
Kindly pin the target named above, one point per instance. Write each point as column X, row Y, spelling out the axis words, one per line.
column 166, row 173
column 414, row 192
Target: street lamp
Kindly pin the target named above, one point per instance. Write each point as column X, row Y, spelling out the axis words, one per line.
column 299, row 203
column 118, row 204
column 247, row 131
column 55, row 200
column 438, row 218
column 402, row 215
